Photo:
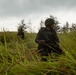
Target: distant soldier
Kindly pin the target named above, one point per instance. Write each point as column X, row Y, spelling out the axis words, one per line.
column 47, row 39
column 21, row 28
column 21, row 33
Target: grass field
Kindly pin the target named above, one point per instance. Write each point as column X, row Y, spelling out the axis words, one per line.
column 20, row 57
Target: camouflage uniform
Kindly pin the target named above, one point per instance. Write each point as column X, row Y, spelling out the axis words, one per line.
column 21, row 33
column 51, row 42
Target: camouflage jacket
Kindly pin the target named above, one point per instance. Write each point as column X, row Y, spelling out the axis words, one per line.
column 49, row 36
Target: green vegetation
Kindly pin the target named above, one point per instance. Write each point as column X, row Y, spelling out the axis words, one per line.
column 20, row 57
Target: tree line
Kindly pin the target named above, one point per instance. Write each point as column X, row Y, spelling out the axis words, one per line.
column 66, row 28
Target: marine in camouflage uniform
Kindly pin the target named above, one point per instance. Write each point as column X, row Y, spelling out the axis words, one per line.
column 20, row 33
column 47, row 39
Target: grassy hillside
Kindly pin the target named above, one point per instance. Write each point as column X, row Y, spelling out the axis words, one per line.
column 20, row 57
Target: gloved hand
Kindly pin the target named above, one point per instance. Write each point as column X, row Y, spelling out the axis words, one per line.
column 41, row 41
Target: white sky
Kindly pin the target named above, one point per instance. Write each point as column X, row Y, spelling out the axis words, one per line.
column 13, row 11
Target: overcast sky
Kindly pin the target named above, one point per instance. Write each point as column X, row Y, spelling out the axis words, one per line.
column 13, row 11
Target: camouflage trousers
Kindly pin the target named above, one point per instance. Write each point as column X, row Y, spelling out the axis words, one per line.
column 46, row 49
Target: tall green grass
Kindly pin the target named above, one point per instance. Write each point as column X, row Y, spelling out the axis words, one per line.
column 20, row 57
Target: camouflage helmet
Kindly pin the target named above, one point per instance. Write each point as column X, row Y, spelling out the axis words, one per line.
column 49, row 21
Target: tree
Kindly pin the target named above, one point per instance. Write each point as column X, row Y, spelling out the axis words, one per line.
column 30, row 27
column 41, row 24
column 66, row 27
column 74, row 26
